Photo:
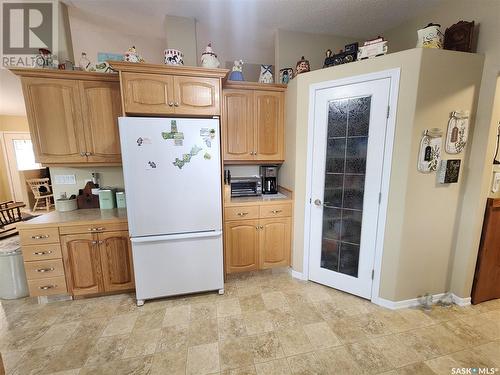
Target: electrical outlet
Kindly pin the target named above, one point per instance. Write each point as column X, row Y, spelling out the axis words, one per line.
column 64, row 179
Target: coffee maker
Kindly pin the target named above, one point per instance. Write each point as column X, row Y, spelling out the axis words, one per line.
column 269, row 176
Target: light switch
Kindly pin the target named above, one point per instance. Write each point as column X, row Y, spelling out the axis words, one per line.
column 64, row 179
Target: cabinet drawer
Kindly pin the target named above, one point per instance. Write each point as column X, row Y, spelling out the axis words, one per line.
column 93, row 228
column 276, row 210
column 47, row 286
column 43, row 269
column 39, row 236
column 41, row 252
column 241, row 213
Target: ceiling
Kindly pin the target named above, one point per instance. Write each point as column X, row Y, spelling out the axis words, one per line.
column 254, row 20
column 354, row 18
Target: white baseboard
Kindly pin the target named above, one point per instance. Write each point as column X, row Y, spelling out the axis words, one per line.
column 459, row 301
column 395, row 305
column 297, row 275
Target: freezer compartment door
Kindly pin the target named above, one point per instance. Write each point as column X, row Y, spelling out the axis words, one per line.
column 179, row 264
column 172, row 174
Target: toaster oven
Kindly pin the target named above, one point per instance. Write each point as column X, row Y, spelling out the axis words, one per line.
column 246, row 186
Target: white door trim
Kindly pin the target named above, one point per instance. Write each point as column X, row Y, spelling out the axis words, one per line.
column 394, row 75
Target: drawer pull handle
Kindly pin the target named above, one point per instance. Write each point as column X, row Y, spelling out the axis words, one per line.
column 276, row 211
column 242, row 213
column 40, row 236
column 45, row 269
column 46, row 287
column 95, row 229
column 42, row 252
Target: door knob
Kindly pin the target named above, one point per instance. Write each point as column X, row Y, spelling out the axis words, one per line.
column 317, row 202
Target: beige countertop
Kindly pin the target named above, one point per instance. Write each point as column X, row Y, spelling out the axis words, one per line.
column 83, row 216
column 284, row 196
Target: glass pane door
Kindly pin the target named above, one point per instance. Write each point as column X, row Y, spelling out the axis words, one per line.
column 346, row 152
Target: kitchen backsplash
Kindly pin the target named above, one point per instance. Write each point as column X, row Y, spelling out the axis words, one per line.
column 243, row 170
column 109, row 177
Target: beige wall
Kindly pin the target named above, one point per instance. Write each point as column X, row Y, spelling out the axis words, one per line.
column 290, row 46
column 109, row 177
column 476, row 189
column 180, row 34
column 92, row 35
column 9, row 124
column 432, row 85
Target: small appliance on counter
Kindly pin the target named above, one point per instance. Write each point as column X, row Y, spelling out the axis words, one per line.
column 245, row 186
column 106, row 199
column 120, row 199
column 269, row 174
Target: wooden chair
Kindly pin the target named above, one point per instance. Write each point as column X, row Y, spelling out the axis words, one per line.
column 42, row 191
column 10, row 213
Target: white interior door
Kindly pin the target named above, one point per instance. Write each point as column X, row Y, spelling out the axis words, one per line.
column 350, row 123
column 19, row 156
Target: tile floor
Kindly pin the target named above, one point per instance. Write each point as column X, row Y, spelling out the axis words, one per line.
column 267, row 324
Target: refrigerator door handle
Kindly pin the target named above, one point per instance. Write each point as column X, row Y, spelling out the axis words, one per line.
column 173, row 237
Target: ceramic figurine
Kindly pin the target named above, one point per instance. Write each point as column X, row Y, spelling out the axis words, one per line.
column 266, row 75
column 430, row 36
column 209, row 58
column 85, row 63
column 174, row 57
column 328, row 58
column 45, row 59
column 286, row 74
column 132, row 56
column 103, row 67
column 237, row 71
column 302, row 66
column 372, row 48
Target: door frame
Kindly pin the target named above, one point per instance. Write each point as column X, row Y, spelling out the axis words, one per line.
column 394, row 76
column 7, row 160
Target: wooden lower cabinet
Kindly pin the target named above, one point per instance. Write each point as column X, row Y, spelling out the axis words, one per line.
column 97, row 263
column 259, row 243
column 275, row 241
column 116, row 261
column 82, row 264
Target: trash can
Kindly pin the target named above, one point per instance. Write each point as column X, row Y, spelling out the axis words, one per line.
column 12, row 275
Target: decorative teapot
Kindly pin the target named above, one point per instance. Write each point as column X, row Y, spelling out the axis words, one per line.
column 132, row 56
column 266, row 75
column 237, row 71
column 303, row 66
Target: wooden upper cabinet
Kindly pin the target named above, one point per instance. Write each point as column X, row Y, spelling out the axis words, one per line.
column 269, row 112
column 196, row 96
column 148, row 93
column 55, row 120
column 82, row 263
column 238, row 129
column 73, row 115
column 116, row 261
column 275, row 242
column 101, row 103
column 242, row 245
column 253, row 122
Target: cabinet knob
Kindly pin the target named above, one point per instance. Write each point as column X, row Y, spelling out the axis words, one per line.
column 94, row 242
column 170, row 104
column 176, row 104
column 82, row 153
column 88, row 153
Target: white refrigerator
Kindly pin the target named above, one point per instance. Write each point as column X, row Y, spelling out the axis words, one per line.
column 172, row 173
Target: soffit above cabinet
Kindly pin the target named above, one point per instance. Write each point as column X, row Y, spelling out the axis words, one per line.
column 65, row 74
column 192, row 71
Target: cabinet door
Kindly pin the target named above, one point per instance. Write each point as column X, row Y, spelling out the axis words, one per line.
column 269, row 124
column 82, row 264
column 242, row 245
column 196, row 96
column 116, row 261
column 54, row 114
column 101, row 107
column 238, row 134
column 147, row 93
column 275, row 242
